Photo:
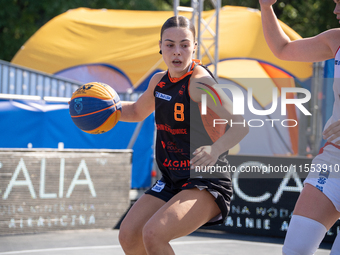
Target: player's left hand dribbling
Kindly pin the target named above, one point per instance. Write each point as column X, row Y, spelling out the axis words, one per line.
column 203, row 156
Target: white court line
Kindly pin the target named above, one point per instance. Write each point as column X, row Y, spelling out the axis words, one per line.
column 223, row 241
column 118, row 246
column 61, row 249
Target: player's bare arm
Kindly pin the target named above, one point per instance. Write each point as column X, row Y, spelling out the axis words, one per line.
column 317, row 48
column 208, row 155
column 144, row 106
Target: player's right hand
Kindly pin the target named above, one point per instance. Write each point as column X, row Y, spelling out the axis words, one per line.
column 332, row 132
column 267, row 2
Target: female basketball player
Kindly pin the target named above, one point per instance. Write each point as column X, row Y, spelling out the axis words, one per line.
column 318, row 206
column 177, row 204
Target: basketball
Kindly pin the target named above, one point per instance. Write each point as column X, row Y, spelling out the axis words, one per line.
column 95, row 108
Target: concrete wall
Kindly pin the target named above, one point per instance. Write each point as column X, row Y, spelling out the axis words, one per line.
column 46, row 190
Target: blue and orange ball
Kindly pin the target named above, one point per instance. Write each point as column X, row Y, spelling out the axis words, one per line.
column 95, row 108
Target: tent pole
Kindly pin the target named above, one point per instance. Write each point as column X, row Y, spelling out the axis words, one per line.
column 202, row 26
column 216, row 57
column 176, row 4
column 135, row 134
column 316, row 107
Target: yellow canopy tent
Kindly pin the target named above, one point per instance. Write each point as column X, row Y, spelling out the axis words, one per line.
column 127, row 41
column 120, row 48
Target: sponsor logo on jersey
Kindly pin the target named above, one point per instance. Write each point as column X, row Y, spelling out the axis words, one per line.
column 175, row 131
column 161, row 84
column 176, row 164
column 171, row 147
column 337, row 62
column 186, row 184
column 163, row 96
column 181, row 91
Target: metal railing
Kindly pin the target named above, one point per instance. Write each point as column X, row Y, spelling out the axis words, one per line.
column 20, row 80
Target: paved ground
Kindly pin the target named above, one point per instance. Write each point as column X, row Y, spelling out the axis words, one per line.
column 105, row 242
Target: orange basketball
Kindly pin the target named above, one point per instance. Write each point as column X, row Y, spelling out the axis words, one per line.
column 95, row 108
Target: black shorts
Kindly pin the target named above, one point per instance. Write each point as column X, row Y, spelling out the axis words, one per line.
column 221, row 189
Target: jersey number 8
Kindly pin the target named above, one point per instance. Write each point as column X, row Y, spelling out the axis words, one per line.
column 179, row 112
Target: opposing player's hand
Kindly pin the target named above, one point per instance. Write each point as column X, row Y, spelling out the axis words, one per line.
column 204, row 156
column 332, row 132
column 267, row 2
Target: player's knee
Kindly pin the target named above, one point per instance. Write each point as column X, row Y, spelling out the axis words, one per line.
column 151, row 238
column 123, row 238
column 128, row 237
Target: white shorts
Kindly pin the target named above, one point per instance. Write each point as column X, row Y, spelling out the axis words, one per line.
column 325, row 173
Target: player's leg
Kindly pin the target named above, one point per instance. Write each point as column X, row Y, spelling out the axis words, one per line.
column 130, row 232
column 315, row 205
column 336, row 246
column 313, row 215
column 183, row 214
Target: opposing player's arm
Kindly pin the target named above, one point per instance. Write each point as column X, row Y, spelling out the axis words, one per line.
column 144, row 106
column 317, row 48
column 202, row 84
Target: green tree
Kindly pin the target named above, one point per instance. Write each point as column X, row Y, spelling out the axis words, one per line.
column 306, row 17
column 20, row 19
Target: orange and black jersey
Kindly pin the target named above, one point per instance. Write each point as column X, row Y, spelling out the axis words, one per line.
column 180, row 128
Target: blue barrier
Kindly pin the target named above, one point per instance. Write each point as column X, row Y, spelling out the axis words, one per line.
column 40, row 124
